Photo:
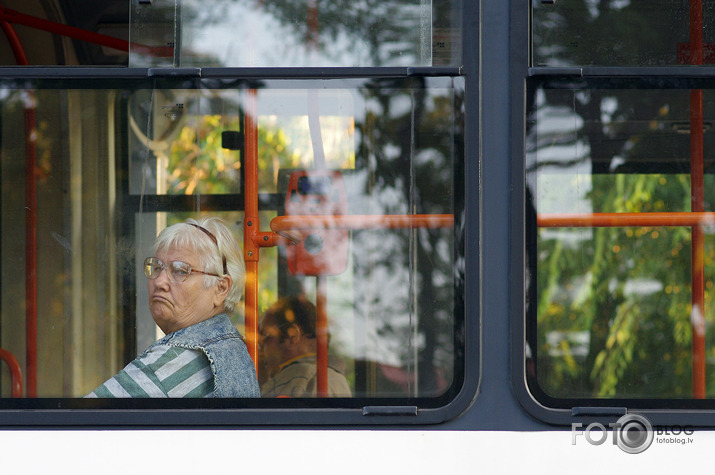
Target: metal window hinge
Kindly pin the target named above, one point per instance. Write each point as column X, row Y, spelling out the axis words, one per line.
column 174, row 72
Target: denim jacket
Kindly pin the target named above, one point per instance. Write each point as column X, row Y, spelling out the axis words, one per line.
column 233, row 370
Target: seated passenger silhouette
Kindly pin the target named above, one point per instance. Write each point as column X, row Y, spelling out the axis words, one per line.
column 287, row 352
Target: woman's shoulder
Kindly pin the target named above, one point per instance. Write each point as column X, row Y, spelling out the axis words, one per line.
column 180, row 372
column 162, row 354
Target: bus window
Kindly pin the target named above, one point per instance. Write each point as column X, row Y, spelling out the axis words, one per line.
column 181, row 152
column 386, row 33
column 244, row 33
column 376, row 163
column 175, row 142
column 655, row 33
column 619, row 243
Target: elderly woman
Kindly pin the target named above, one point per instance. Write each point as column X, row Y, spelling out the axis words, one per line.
column 195, row 278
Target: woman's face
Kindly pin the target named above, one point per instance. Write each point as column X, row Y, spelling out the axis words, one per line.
column 177, row 306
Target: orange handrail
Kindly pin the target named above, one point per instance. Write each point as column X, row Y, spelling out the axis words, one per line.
column 15, row 372
column 601, row 220
column 291, row 227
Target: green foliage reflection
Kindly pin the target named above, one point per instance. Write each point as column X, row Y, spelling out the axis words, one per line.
column 614, row 304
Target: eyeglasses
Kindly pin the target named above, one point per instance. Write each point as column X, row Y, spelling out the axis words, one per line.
column 177, row 271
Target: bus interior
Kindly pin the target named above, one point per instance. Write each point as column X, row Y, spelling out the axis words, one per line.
column 118, row 120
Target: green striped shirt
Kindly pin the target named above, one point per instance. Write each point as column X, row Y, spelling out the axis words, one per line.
column 164, row 371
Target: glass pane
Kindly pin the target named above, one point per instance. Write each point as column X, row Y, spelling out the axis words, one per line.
column 305, row 129
column 237, row 33
column 66, row 33
column 617, row 304
column 175, row 141
column 640, row 33
column 154, row 33
column 246, row 33
column 69, row 202
column 176, row 138
column 355, row 189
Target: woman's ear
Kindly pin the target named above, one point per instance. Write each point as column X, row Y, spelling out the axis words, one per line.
column 223, row 287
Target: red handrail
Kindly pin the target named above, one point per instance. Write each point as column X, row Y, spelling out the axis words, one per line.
column 15, row 372
column 12, row 16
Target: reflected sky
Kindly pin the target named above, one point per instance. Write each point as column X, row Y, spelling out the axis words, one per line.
column 252, row 33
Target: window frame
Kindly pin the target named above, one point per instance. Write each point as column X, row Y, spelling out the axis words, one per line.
column 523, row 80
column 74, row 412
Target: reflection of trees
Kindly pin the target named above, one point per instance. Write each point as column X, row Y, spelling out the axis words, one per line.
column 627, row 289
column 404, row 280
column 638, row 337
column 370, row 32
column 408, row 152
column 610, row 32
column 198, row 163
column 381, row 28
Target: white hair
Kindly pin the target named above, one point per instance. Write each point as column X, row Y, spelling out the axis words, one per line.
column 211, row 254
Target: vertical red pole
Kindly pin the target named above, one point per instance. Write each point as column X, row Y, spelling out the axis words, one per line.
column 311, row 38
column 697, row 205
column 698, row 244
column 321, row 282
column 322, row 336
column 250, row 223
column 30, row 222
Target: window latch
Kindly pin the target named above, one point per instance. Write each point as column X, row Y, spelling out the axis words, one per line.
column 599, row 411
column 389, row 411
